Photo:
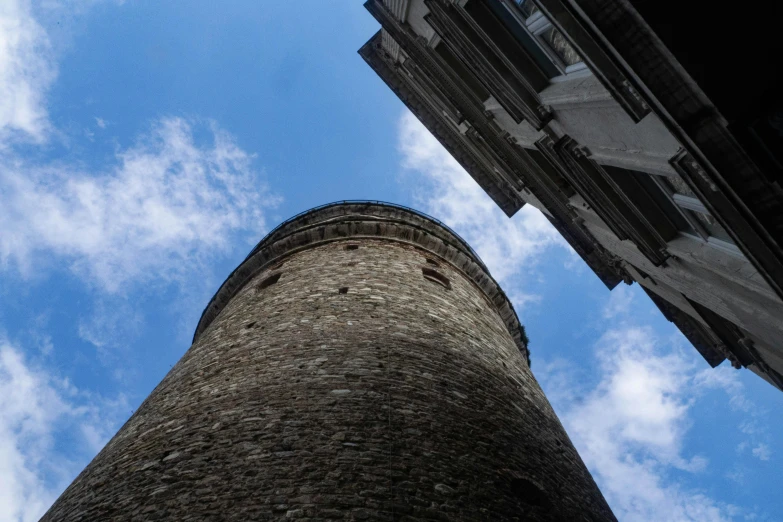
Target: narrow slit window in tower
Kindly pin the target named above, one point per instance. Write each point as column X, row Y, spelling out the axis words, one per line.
column 436, row 277
column 269, row 281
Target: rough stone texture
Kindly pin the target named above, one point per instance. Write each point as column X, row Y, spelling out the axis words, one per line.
column 352, row 388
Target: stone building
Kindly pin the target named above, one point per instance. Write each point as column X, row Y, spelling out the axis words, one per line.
column 622, row 121
column 360, row 364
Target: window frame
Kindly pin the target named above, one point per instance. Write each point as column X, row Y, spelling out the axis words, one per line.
column 686, row 205
column 536, row 25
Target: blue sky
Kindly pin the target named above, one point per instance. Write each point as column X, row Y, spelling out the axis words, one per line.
column 146, row 146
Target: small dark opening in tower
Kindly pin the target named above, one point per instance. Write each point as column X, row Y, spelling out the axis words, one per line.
column 529, row 492
column 343, row 290
column 436, row 277
column 269, row 281
column 351, row 247
column 432, row 262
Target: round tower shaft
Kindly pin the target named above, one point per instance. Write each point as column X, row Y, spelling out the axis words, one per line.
column 360, row 364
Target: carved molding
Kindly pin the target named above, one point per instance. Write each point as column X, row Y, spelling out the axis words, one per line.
column 739, row 348
column 511, row 89
column 452, row 87
column 550, row 187
column 404, row 87
column 606, row 198
column 560, row 14
column 750, row 239
column 708, row 344
column 542, row 180
column 600, row 261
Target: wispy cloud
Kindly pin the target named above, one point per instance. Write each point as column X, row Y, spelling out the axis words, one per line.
column 619, row 302
column 168, row 203
column 753, row 424
column 446, row 191
column 33, row 36
column 630, row 426
column 27, row 70
column 36, row 409
column 112, row 321
column 762, row 452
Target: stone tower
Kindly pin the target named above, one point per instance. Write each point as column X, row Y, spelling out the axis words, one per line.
column 360, row 364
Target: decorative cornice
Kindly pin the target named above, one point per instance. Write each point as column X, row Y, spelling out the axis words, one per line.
column 601, row 262
column 451, row 85
column 701, row 337
column 545, row 180
column 610, row 202
column 512, row 90
column 399, row 8
column 343, row 221
column 444, row 131
column 736, row 345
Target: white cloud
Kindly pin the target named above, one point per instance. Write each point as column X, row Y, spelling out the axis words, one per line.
column 168, row 203
column 33, row 34
column 112, row 322
column 629, row 428
column 725, row 377
column 100, row 122
column 619, row 302
column 446, row 191
column 27, row 69
column 34, row 409
column 753, row 424
column 762, row 452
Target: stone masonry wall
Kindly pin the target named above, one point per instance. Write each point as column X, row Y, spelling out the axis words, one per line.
column 352, row 388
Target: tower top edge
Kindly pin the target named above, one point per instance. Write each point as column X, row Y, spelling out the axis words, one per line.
column 347, row 220
column 358, row 207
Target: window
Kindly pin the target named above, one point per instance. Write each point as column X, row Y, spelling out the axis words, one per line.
column 436, row 277
column 527, row 7
column 648, row 198
column 669, row 205
column 700, row 219
column 269, row 281
column 531, row 493
column 558, row 50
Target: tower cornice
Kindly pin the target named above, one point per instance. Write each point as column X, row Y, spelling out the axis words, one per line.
column 353, row 220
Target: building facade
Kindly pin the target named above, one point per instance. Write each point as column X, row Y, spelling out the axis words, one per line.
column 602, row 115
column 360, row 364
